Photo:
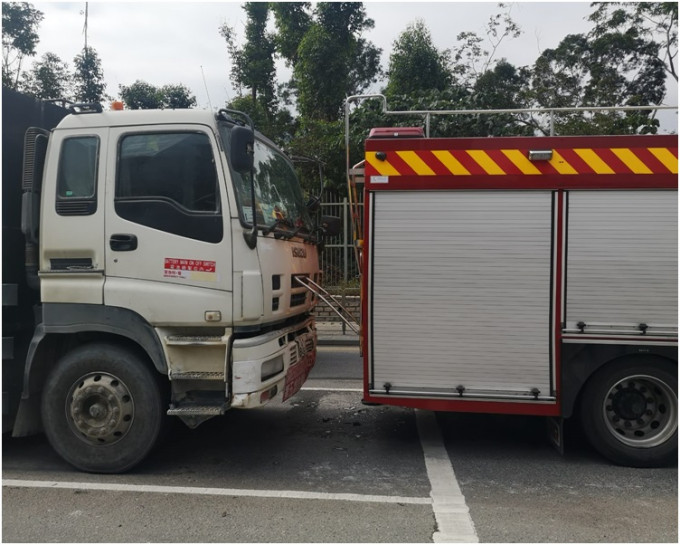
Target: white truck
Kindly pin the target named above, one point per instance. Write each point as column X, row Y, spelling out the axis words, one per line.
column 152, row 271
column 534, row 276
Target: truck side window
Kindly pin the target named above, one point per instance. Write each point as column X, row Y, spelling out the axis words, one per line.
column 168, row 181
column 77, row 176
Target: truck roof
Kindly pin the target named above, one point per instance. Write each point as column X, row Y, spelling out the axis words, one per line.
column 136, row 117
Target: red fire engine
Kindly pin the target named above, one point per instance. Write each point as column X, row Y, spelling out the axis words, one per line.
column 525, row 275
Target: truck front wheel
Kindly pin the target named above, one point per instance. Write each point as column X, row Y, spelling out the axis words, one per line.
column 102, row 408
column 629, row 413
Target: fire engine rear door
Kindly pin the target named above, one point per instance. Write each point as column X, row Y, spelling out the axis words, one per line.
column 460, row 294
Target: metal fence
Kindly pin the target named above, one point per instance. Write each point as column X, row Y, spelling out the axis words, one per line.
column 338, row 263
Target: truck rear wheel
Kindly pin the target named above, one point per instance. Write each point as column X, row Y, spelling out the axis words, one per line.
column 629, row 413
column 102, row 408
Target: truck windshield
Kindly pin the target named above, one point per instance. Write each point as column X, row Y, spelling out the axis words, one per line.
column 278, row 197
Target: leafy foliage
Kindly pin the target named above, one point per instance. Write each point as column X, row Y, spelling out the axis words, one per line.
column 603, row 68
column 625, row 59
column 416, row 64
column 47, row 79
column 89, row 77
column 20, row 23
column 253, row 64
column 278, row 126
column 476, row 54
column 652, row 22
column 144, row 96
column 333, row 60
column 293, row 20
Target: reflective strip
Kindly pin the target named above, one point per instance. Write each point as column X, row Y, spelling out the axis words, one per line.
column 486, row 162
column 561, row 165
column 451, row 163
column 594, row 161
column 668, row 160
column 521, row 161
column 384, row 168
column 498, row 162
column 631, row 160
column 412, row 159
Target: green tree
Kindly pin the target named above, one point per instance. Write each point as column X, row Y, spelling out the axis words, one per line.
column 141, row 96
column 293, row 20
column 655, row 22
column 20, row 23
column 89, row 77
column 144, row 96
column 475, row 54
column 253, row 64
column 333, row 60
column 279, row 126
column 319, row 141
column 47, row 79
column 416, row 64
column 501, row 88
column 177, row 96
column 610, row 69
column 623, row 61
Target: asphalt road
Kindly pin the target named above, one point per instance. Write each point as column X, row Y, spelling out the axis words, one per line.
column 325, row 468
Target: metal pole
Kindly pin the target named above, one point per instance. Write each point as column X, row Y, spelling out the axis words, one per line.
column 345, row 255
column 345, row 244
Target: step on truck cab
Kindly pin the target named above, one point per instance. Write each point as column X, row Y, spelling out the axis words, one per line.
column 165, row 248
column 526, row 275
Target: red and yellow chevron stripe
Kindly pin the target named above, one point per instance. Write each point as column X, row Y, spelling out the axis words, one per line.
column 513, row 161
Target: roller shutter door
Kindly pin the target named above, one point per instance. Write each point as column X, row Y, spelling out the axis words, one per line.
column 460, row 293
column 622, row 261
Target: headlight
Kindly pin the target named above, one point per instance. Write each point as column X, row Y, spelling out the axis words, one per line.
column 272, row 367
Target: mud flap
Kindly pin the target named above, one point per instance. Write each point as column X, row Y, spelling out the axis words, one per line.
column 555, row 430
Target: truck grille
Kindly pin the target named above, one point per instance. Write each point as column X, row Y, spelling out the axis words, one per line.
column 298, row 299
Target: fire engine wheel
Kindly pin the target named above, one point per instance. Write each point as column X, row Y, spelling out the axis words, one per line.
column 630, row 413
column 102, row 408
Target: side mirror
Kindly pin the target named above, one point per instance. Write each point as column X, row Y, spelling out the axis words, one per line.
column 313, row 205
column 242, row 149
column 331, row 225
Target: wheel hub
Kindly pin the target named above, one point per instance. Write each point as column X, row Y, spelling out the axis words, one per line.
column 100, row 408
column 640, row 411
column 629, row 403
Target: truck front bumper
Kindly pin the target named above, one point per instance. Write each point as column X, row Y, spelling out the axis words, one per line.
column 273, row 365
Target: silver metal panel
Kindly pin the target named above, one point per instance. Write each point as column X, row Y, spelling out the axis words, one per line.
column 622, row 261
column 460, row 291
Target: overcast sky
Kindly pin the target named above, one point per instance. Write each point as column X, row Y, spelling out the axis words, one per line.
column 179, row 42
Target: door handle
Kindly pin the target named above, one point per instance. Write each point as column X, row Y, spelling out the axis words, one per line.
column 123, row 243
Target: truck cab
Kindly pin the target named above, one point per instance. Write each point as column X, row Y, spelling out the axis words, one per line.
column 164, row 287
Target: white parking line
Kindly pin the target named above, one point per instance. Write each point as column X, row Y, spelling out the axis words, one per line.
column 200, row 491
column 448, row 503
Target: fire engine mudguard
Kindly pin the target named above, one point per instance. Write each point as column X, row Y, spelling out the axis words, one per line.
column 629, row 411
column 102, row 408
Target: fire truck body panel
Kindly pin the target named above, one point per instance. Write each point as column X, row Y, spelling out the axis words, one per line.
column 502, row 274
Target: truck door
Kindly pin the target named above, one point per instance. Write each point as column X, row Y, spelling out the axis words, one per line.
column 168, row 252
column 72, row 218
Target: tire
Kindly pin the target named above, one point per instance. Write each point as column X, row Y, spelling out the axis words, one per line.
column 629, row 413
column 102, row 408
